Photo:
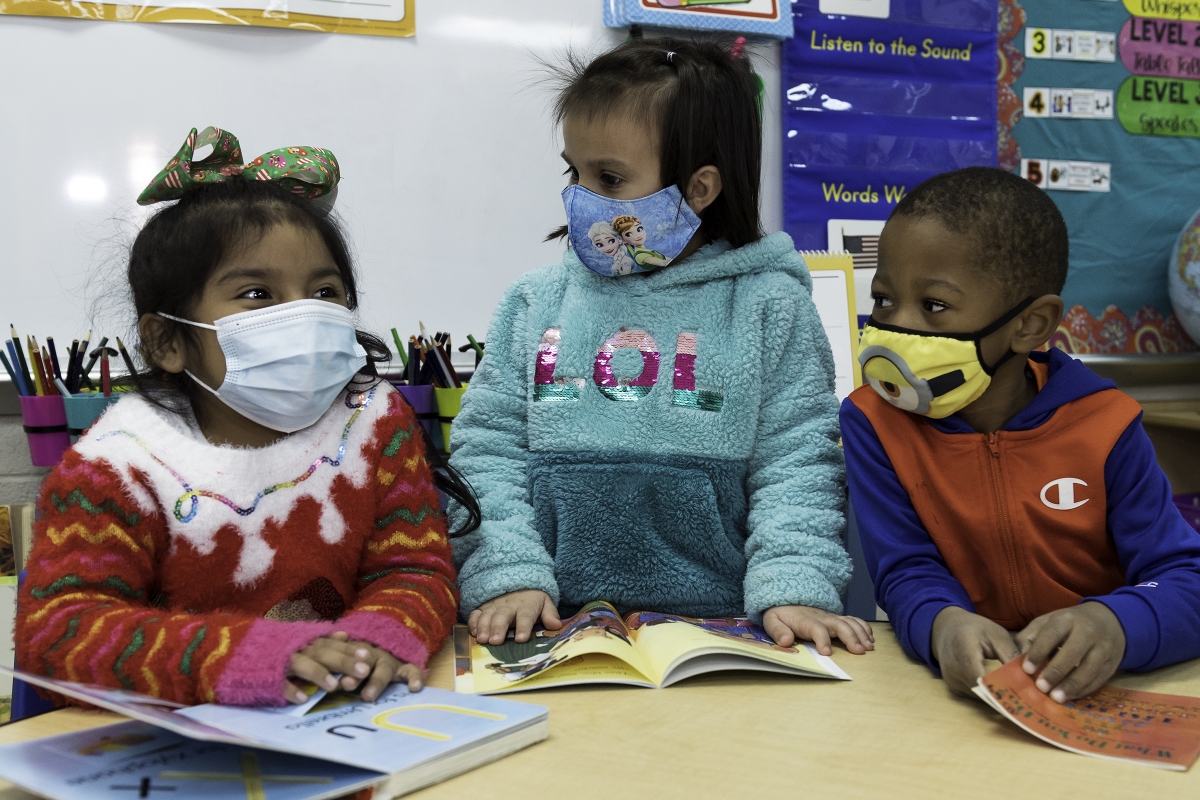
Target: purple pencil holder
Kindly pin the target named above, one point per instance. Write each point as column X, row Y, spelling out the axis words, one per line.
column 423, row 401
column 45, row 421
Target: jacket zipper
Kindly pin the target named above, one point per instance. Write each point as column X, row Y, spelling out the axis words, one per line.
column 1005, row 524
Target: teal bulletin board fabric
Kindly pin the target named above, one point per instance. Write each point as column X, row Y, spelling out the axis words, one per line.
column 1121, row 240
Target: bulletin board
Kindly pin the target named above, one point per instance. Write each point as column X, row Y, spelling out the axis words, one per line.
column 1096, row 101
column 1110, row 126
column 373, row 17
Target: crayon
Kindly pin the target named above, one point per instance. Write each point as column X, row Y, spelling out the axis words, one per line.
column 53, row 356
column 125, row 357
column 21, row 358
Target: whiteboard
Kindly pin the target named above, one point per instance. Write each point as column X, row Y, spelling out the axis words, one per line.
column 451, row 167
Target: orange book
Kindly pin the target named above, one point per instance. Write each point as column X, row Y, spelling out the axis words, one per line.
column 1158, row 730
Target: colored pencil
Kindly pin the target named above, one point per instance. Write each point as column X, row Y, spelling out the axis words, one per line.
column 79, row 356
column 11, row 375
column 414, row 362
column 125, row 357
column 16, row 340
column 62, row 387
column 105, row 372
column 399, row 348
column 51, row 388
column 39, row 377
column 18, row 378
column 53, row 356
column 69, row 378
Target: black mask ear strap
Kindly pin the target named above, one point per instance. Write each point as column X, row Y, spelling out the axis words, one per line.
column 982, row 333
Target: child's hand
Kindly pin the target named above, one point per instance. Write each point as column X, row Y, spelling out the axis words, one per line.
column 356, row 661
column 1090, row 643
column 786, row 624
column 489, row 623
column 962, row 642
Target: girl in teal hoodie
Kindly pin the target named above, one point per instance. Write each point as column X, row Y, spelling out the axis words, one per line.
column 667, row 438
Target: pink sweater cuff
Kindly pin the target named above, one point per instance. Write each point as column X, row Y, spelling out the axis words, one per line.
column 384, row 632
column 255, row 673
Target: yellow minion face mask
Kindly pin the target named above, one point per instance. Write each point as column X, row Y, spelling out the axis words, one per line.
column 928, row 373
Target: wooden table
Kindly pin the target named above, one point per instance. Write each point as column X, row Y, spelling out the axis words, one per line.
column 894, row 731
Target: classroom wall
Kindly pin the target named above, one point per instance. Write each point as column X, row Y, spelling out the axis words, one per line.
column 452, row 168
column 451, row 165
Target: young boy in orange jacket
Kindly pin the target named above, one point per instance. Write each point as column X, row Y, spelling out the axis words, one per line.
column 1008, row 500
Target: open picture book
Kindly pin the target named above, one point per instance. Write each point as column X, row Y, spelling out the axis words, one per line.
column 644, row 648
column 1157, row 730
column 332, row 745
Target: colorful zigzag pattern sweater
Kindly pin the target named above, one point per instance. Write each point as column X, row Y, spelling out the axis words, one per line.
column 166, row 565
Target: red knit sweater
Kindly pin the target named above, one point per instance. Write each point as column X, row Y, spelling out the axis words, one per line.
column 191, row 572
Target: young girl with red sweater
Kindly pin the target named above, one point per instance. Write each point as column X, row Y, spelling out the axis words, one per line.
column 263, row 507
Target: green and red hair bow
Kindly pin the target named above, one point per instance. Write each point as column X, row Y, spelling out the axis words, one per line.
column 309, row 171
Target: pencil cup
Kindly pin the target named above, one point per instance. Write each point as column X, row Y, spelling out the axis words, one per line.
column 84, row 409
column 45, row 428
column 422, row 400
column 449, row 401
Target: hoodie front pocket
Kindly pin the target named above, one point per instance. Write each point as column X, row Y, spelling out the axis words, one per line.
column 640, row 535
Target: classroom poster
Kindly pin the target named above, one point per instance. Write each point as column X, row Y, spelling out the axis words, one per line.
column 876, row 103
column 372, row 17
column 1110, row 127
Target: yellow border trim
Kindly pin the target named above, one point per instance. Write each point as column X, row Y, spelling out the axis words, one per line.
column 843, row 262
column 212, row 16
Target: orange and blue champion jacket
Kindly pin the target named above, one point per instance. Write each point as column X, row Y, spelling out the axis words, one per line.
column 1065, row 504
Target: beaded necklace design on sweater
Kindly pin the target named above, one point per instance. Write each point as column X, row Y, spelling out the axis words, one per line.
column 194, row 495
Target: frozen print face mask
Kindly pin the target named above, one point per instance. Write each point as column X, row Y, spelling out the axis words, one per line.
column 621, row 237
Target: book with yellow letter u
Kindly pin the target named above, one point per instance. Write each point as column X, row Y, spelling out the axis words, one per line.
column 331, row 746
column 644, row 648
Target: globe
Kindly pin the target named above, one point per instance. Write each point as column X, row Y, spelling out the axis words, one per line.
column 1183, row 278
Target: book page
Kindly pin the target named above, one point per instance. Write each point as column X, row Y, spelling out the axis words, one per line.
column 1158, row 730
column 668, row 639
column 597, row 631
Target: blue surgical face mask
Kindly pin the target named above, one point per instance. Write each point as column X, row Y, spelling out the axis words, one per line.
column 621, row 237
column 285, row 364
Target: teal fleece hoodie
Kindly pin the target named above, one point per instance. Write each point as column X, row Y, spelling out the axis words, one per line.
column 664, row 442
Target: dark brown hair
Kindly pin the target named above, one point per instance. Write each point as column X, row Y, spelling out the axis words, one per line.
column 704, row 104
